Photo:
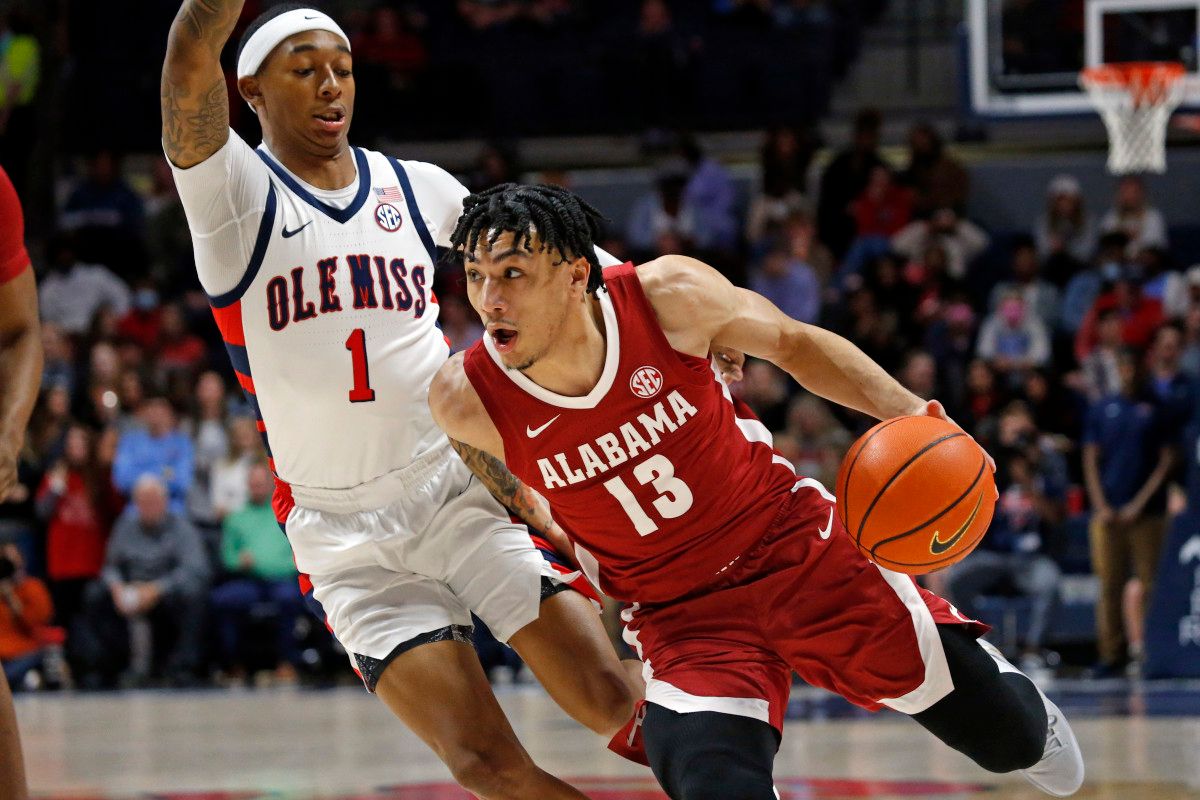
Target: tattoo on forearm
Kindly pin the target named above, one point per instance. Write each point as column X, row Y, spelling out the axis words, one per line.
column 504, row 486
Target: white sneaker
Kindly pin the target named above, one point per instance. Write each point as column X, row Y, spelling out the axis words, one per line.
column 1060, row 770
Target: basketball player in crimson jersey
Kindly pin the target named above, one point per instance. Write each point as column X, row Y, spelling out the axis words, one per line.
column 596, row 389
column 20, row 377
column 318, row 259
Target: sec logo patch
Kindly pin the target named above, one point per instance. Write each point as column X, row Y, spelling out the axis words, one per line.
column 646, row 381
column 388, row 217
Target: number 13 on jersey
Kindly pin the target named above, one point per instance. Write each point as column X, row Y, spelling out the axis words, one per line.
column 674, row 497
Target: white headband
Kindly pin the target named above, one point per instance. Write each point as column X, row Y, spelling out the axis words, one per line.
column 266, row 38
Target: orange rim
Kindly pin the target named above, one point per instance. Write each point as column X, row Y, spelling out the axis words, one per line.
column 1146, row 81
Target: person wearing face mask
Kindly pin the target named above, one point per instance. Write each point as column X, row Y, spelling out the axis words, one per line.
column 1012, row 339
column 144, row 321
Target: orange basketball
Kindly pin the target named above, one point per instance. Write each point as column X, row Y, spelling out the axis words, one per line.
column 915, row 494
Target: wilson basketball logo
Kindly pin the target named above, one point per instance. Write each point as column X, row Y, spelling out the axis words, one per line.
column 388, row 217
column 646, row 381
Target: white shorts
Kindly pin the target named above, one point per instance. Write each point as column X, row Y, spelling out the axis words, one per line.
column 412, row 571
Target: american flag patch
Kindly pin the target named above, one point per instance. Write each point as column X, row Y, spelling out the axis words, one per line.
column 390, row 193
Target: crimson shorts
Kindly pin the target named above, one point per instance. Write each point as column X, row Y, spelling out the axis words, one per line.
column 797, row 601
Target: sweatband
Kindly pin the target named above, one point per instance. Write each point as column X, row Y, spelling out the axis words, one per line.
column 268, row 37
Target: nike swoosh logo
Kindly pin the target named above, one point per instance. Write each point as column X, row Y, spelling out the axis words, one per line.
column 289, row 234
column 533, row 433
column 937, row 546
column 312, row 17
column 824, row 532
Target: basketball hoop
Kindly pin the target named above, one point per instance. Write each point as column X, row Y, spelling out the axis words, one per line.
column 1135, row 100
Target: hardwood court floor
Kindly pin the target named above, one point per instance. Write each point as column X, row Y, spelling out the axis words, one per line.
column 344, row 745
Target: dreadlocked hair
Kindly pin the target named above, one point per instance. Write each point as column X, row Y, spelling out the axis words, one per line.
column 562, row 221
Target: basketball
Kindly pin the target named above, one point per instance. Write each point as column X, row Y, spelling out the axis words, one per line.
column 915, row 494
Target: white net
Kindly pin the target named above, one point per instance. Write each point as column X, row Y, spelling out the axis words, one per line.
column 1136, row 102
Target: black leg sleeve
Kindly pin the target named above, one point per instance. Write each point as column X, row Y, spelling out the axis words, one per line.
column 709, row 756
column 996, row 719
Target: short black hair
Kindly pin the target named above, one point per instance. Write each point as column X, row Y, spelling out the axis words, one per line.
column 563, row 221
column 262, row 19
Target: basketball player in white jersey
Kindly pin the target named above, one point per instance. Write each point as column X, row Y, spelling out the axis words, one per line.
column 318, row 259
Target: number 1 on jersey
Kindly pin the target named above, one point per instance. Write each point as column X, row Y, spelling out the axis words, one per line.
column 357, row 345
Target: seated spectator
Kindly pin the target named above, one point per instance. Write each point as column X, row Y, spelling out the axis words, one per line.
column 936, row 177
column 1065, row 233
column 711, row 197
column 1040, row 296
column 178, row 349
column 844, row 179
column 1127, row 457
column 1140, row 315
column 881, row 211
column 662, row 212
column 210, row 444
column 256, row 554
column 152, row 590
column 1163, row 283
column 799, row 235
column 962, row 240
column 951, row 342
column 107, row 216
column 919, row 375
column 25, row 611
column 1084, row 286
column 818, row 441
column 786, row 155
column 654, row 66
column 1012, row 558
column 71, row 292
column 159, row 449
column 1100, row 370
column 1013, row 340
column 789, row 283
column 78, row 505
column 143, row 323
column 984, row 397
column 58, row 356
column 1133, row 215
column 231, row 473
column 168, row 239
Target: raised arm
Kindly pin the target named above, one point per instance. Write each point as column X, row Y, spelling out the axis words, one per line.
column 195, row 103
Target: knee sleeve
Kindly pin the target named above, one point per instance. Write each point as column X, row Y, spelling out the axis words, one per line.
column 709, row 756
column 996, row 719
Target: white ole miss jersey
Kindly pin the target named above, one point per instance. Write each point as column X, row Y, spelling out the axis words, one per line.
column 332, row 325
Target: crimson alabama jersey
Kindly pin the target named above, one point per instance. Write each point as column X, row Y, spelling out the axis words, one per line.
column 659, row 485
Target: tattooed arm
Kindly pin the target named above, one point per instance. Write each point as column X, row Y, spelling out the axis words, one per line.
column 518, row 498
column 195, row 104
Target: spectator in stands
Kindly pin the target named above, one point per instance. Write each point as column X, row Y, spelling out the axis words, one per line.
column 390, row 44
column 789, row 283
column 153, row 588
column 1133, row 215
column 1100, row 372
column 1040, row 296
column 1140, row 315
column 1084, row 286
column 1012, row 339
column 983, row 398
column 937, row 178
column 1065, row 233
column 48, row 426
column 882, row 210
column 168, row 241
column 107, row 215
column 71, row 292
column 495, row 164
column 655, row 66
column 25, row 611
column 78, row 504
column 1173, row 390
column 951, row 342
column 143, row 324
column 177, row 348
column 844, row 179
column 799, row 234
column 873, row 327
column 159, row 449
column 459, row 323
column 210, row 444
column 962, row 240
column 1013, row 556
column 786, row 155
column 58, row 358
column 919, row 374
column 820, row 441
column 1163, row 283
column 1127, row 456
column 711, row 197
column 230, row 474
column 662, row 212
column 256, row 555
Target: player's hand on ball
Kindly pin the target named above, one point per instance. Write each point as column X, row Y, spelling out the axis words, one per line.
column 934, row 408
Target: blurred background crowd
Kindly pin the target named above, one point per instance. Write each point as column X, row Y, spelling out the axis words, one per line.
column 142, row 545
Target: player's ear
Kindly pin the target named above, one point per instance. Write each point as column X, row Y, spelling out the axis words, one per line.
column 251, row 91
column 580, row 269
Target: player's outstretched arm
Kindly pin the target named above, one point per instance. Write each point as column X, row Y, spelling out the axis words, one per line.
column 698, row 309
column 459, row 412
column 195, row 103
